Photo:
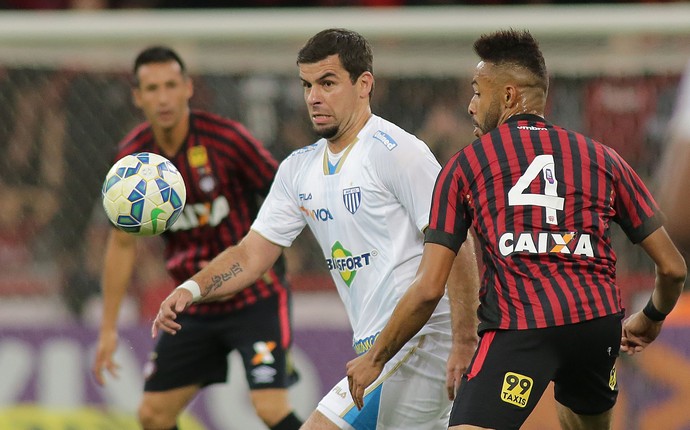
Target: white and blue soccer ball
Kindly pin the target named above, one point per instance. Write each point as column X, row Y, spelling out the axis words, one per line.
column 143, row 194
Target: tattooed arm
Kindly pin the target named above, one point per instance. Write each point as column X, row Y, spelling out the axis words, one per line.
column 231, row 271
column 237, row 267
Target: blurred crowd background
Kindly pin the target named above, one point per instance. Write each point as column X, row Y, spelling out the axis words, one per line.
column 61, row 128
column 196, row 4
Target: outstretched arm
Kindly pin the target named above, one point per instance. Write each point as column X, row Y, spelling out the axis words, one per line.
column 642, row 327
column 229, row 272
column 413, row 311
column 463, row 293
column 118, row 265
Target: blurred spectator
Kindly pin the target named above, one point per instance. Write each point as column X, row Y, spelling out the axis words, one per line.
column 32, row 147
column 96, row 111
column 446, row 130
column 675, row 168
column 53, row 4
column 76, row 4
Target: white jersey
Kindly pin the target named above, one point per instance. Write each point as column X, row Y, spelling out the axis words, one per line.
column 367, row 215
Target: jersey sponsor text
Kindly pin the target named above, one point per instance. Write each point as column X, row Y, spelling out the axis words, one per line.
column 545, row 243
column 202, row 214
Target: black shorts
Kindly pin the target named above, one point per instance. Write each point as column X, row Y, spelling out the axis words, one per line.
column 512, row 368
column 198, row 353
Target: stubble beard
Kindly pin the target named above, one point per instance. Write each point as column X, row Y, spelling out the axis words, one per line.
column 327, row 132
column 491, row 119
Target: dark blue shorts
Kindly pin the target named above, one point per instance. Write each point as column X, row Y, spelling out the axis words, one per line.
column 198, row 353
column 512, row 368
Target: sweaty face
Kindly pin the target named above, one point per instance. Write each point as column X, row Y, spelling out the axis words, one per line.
column 163, row 94
column 330, row 96
column 485, row 107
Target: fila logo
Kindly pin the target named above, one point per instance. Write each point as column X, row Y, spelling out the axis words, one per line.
column 339, row 391
column 546, row 243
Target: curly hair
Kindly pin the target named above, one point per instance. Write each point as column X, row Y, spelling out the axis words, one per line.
column 513, row 48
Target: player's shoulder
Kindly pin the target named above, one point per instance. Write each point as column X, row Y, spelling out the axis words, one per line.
column 204, row 120
column 388, row 139
column 299, row 159
column 139, row 139
column 305, row 153
column 388, row 144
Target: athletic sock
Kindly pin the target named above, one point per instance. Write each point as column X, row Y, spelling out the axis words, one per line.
column 290, row 422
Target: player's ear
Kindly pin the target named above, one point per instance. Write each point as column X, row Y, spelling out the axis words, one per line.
column 190, row 87
column 366, row 84
column 136, row 97
column 510, row 94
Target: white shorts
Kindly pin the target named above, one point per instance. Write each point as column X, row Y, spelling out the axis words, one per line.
column 410, row 393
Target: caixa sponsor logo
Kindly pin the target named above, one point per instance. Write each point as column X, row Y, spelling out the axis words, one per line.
column 322, row 214
column 545, row 243
column 202, row 214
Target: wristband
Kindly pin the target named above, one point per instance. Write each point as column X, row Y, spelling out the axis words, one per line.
column 653, row 313
column 193, row 288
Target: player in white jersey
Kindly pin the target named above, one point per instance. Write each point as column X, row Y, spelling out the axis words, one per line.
column 367, row 211
column 365, row 191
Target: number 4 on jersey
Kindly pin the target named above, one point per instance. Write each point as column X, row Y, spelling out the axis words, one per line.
column 549, row 198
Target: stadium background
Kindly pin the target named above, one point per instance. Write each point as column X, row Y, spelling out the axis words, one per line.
column 65, row 102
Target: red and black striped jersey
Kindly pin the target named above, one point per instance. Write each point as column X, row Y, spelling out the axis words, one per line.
column 541, row 200
column 227, row 172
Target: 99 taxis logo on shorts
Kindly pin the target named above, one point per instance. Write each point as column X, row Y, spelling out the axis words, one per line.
column 516, row 389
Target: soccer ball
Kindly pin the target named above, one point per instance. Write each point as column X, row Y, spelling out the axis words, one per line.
column 143, row 194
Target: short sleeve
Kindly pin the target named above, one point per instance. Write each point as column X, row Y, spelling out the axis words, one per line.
column 636, row 210
column 279, row 219
column 449, row 219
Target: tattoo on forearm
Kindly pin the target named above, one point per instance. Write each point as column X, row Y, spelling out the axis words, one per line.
column 387, row 353
column 218, row 280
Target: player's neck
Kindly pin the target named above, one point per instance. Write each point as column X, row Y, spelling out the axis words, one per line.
column 349, row 135
column 170, row 140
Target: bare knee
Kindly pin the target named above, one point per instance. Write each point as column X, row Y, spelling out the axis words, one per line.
column 318, row 421
column 159, row 409
column 271, row 405
column 569, row 420
column 153, row 418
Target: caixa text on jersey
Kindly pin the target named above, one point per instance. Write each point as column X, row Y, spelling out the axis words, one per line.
column 546, row 243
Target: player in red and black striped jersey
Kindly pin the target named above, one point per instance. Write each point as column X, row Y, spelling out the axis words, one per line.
column 541, row 200
column 227, row 172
